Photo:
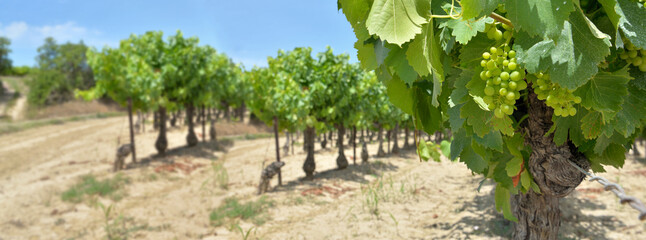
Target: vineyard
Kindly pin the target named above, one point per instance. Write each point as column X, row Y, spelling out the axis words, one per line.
column 462, row 119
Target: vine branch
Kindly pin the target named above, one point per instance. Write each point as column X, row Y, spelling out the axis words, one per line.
column 501, row 19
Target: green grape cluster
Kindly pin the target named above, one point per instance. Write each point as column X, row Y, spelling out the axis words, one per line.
column 505, row 79
column 560, row 99
column 634, row 56
column 493, row 31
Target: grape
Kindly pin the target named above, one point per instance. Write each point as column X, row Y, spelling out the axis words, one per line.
column 511, row 96
column 502, row 91
column 512, row 54
column 498, row 113
column 512, row 65
column 634, row 56
column 514, row 76
column 498, row 35
column 489, row 91
column 504, row 76
column 512, row 85
column 560, row 99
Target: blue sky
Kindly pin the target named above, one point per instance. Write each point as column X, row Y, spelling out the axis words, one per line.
column 248, row 31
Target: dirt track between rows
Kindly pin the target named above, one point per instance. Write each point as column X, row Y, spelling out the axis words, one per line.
column 419, row 200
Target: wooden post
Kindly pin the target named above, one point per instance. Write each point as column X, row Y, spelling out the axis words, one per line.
column 280, row 177
column 132, row 132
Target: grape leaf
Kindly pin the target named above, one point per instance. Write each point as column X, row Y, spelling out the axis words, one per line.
column 395, row 21
column 471, row 54
column 492, row 140
column 591, row 125
column 473, row 160
column 445, row 146
column 399, row 94
column 569, row 126
column 503, row 203
column 533, row 52
column 455, row 121
column 632, row 113
column 356, row 12
column 604, row 92
column 503, row 125
column 428, row 117
column 578, row 51
column 539, row 17
column 640, row 78
column 366, row 55
column 460, row 140
column 397, row 59
column 423, row 150
column 603, row 141
column 424, row 53
column 476, row 117
column 478, row 8
column 464, row 30
column 614, row 155
column 628, row 16
column 460, row 93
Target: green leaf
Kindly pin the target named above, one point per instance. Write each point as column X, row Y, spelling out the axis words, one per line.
column 400, row 95
column 397, row 59
column 604, row 92
column 628, row 16
column 428, row 117
column 460, row 92
column 478, row 8
column 502, row 198
column 503, row 125
column 423, row 150
column 525, row 180
column 471, row 54
column 460, row 140
column 633, row 112
column 539, row 17
column 614, row 155
column 464, row 30
column 476, row 117
column 569, row 126
column 455, row 121
column 513, row 166
column 356, row 12
column 591, row 125
column 445, row 146
column 395, row 21
column 493, row 140
column 424, row 53
column 366, row 55
column 579, row 49
column 473, row 160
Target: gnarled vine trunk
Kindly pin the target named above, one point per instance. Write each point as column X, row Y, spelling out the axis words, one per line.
column 380, row 152
column 538, row 213
column 309, row 166
column 161, row 144
column 341, row 160
column 395, row 132
column 191, row 138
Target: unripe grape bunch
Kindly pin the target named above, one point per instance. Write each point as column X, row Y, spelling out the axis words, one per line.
column 493, row 32
column 635, row 56
column 560, row 99
column 504, row 79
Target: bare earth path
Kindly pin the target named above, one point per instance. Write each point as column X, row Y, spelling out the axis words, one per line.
column 390, row 198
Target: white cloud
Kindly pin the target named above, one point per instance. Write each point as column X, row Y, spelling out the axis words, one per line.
column 23, row 34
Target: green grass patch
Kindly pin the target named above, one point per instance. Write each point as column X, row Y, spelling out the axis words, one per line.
column 232, row 211
column 89, row 186
column 249, row 136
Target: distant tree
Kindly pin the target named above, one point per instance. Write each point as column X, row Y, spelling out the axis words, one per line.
column 5, row 62
column 61, row 69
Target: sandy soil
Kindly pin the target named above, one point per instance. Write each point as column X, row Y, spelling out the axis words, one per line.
column 435, row 200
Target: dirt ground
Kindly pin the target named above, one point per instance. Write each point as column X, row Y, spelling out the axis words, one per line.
column 434, row 200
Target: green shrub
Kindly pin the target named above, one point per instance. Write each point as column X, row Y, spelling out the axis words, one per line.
column 90, row 186
column 232, row 210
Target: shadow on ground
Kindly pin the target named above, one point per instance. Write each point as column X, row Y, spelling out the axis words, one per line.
column 575, row 224
column 201, row 150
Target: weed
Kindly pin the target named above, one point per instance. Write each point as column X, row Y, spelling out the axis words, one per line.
column 386, row 190
column 220, row 178
column 120, row 227
column 232, row 211
column 90, row 186
column 245, row 235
